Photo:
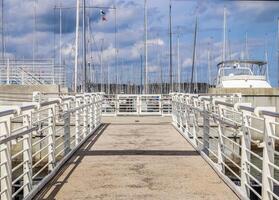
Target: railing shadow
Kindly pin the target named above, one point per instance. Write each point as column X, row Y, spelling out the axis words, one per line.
column 54, row 186
column 139, row 153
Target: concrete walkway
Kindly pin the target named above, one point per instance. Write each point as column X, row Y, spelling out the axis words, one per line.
column 137, row 158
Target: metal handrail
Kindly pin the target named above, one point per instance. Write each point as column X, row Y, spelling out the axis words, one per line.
column 234, row 127
column 45, row 136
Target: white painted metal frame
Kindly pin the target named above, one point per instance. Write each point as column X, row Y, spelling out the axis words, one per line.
column 133, row 104
column 224, row 134
column 37, row 139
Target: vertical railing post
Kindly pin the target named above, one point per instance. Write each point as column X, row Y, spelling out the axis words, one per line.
column 85, row 116
column 206, row 129
column 195, row 122
column 183, row 115
column 95, row 110
column 77, row 120
column 27, row 154
column 8, row 71
column 268, row 157
column 5, row 155
column 180, row 100
column 160, row 105
column 91, row 113
column 245, row 155
column 220, row 145
column 139, row 104
column 100, row 101
column 187, row 115
column 67, row 131
column 51, row 137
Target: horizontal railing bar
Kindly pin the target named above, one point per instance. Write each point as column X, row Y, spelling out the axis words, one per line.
column 7, row 112
column 15, row 136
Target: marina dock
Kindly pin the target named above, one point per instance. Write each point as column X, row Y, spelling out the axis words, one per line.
column 137, row 158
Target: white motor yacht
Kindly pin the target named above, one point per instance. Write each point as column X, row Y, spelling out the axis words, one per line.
column 242, row 74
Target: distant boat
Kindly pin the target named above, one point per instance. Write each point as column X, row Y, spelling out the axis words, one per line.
column 242, row 74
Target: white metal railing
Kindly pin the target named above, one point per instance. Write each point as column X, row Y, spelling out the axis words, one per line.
column 37, row 139
column 238, row 141
column 133, row 104
column 31, row 72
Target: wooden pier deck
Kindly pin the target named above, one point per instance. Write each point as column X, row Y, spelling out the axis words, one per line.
column 137, row 158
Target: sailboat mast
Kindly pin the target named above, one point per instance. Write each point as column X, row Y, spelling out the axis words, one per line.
column 194, row 57
column 84, row 46
column 278, row 50
column 145, row 49
column 209, row 66
column 178, row 62
column 246, row 46
column 2, row 31
column 170, row 35
column 76, row 47
column 224, row 34
column 101, row 65
column 60, row 35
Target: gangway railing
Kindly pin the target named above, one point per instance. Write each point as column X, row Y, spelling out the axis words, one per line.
column 239, row 141
column 133, row 104
column 38, row 138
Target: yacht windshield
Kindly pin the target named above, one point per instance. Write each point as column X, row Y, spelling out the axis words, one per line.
column 236, row 71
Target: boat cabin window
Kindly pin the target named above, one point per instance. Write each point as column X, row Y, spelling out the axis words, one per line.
column 236, row 71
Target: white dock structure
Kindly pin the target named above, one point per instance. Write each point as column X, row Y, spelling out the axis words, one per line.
column 64, row 148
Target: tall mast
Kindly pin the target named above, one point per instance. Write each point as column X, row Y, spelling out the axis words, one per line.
column 194, row 57
column 76, row 47
column 60, row 34
column 116, row 50
column 145, row 49
column 34, row 30
column 84, row 47
column 209, row 66
column 278, row 50
column 224, row 34
column 266, row 60
column 170, row 39
column 141, row 72
column 2, row 30
column 178, row 61
column 101, row 65
column 246, row 46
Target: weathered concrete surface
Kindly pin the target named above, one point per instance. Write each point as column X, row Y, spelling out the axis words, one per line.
column 137, row 158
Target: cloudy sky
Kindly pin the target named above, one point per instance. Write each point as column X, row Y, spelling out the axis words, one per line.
column 257, row 19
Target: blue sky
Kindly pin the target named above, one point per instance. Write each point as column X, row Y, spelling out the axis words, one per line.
column 256, row 18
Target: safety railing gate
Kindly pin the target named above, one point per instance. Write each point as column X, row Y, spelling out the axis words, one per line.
column 152, row 104
column 239, row 141
column 37, row 139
